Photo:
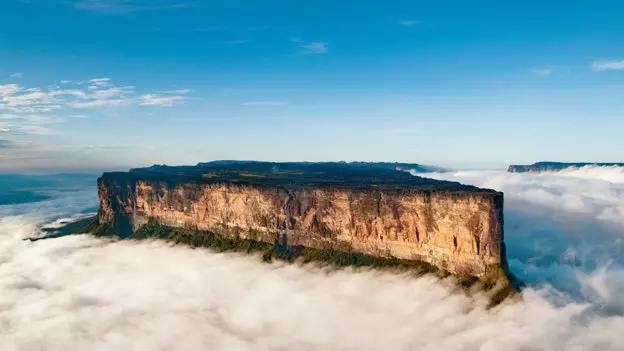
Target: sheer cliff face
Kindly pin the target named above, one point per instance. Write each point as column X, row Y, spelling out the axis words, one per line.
column 458, row 231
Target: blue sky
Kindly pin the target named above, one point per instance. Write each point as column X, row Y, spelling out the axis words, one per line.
column 467, row 84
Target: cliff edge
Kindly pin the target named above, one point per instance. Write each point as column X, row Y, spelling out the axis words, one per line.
column 399, row 166
column 335, row 206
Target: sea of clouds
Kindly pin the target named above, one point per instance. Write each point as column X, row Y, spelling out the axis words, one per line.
column 564, row 234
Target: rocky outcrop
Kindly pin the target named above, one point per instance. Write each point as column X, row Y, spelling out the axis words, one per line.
column 556, row 166
column 382, row 213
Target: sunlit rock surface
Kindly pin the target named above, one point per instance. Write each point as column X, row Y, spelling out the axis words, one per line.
column 337, row 206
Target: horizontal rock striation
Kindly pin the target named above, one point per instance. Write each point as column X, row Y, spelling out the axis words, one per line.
column 556, row 166
column 347, row 208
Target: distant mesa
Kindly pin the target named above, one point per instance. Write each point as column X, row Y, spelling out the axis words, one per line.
column 539, row 167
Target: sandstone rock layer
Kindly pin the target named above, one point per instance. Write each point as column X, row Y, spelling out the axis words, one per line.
column 459, row 229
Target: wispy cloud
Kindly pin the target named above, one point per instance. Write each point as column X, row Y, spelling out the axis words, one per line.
column 310, row 48
column 543, row 71
column 16, row 75
column 105, row 147
column 409, row 23
column 32, row 119
column 263, row 103
column 111, row 92
column 102, row 93
column 607, row 65
column 102, row 103
column 87, row 147
column 24, row 110
column 314, row 48
column 99, row 82
column 8, row 90
column 36, row 130
column 13, row 128
column 159, row 100
column 178, row 91
column 126, row 6
column 12, row 144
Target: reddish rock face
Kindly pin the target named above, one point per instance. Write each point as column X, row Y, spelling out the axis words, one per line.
column 460, row 231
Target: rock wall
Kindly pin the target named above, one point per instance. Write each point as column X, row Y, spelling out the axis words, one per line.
column 458, row 231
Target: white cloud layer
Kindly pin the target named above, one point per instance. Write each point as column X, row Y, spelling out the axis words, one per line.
column 561, row 227
column 79, row 292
